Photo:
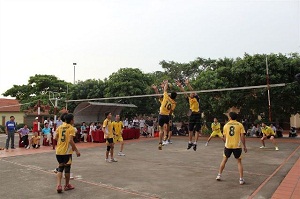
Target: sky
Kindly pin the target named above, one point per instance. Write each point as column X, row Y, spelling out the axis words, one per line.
column 102, row 36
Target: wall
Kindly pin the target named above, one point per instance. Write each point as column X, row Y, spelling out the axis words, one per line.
column 295, row 120
column 19, row 117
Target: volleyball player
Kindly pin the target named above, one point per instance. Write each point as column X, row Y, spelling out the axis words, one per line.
column 167, row 106
column 268, row 133
column 216, row 131
column 195, row 117
column 118, row 129
column 234, row 133
column 64, row 150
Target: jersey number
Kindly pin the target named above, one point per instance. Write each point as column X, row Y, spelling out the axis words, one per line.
column 63, row 135
column 231, row 130
column 168, row 105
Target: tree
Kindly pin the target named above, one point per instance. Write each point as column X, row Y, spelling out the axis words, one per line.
column 38, row 88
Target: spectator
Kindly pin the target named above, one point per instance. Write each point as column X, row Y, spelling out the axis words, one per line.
column 10, row 128
column 83, row 131
column 23, row 132
column 258, row 131
column 142, row 124
column 135, row 122
column 293, row 132
column 149, row 123
column 253, row 130
column 99, row 126
column 46, row 132
column 58, row 122
column 126, row 123
column 92, row 128
column 34, row 141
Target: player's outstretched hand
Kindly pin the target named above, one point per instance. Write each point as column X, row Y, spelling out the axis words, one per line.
column 187, row 81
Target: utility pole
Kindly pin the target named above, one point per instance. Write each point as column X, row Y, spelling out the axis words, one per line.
column 74, row 64
column 268, row 86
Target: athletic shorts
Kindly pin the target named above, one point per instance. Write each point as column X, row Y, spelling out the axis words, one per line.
column 109, row 140
column 269, row 136
column 163, row 119
column 236, row 152
column 64, row 159
column 195, row 122
column 214, row 134
column 118, row 138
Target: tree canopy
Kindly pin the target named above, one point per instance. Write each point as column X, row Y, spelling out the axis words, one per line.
column 249, row 70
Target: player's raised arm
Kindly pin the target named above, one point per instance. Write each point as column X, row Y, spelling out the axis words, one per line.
column 181, row 87
column 166, row 85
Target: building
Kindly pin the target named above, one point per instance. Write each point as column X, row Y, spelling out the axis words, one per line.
column 10, row 107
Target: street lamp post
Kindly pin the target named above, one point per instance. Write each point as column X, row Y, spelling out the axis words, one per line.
column 74, row 64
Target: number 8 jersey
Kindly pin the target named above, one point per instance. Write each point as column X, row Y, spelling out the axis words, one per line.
column 64, row 132
column 167, row 105
column 232, row 132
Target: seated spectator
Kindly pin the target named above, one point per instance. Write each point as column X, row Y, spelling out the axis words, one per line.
column 46, row 132
column 92, row 128
column 83, row 132
column 99, row 126
column 23, row 132
column 258, row 131
column 34, row 141
column 253, row 130
column 279, row 131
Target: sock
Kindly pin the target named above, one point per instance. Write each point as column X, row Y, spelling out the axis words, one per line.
column 190, row 142
column 195, row 143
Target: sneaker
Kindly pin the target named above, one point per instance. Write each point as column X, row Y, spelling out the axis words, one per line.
column 276, row 149
column 59, row 189
column 218, row 177
column 113, row 160
column 38, row 146
column 71, row 176
column 55, row 170
column 108, row 160
column 28, row 147
column 195, row 147
column 206, row 143
column 189, row 146
column 164, row 143
column 121, row 154
column 160, row 146
column 68, row 187
column 242, row 181
column 262, row 147
column 170, row 142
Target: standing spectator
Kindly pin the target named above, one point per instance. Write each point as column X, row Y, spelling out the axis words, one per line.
column 10, row 128
column 58, row 122
column 126, row 123
column 149, row 123
column 23, row 132
column 83, row 131
column 51, row 125
column 135, row 122
column 142, row 124
column 46, row 132
column 35, row 125
column 274, row 129
column 92, row 128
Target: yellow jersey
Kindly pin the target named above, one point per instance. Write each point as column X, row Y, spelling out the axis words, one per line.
column 66, row 132
column 232, row 132
column 118, row 126
column 216, row 127
column 36, row 140
column 167, row 105
column 268, row 131
column 107, row 125
column 194, row 104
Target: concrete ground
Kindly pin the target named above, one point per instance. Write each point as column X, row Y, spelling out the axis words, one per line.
column 146, row 172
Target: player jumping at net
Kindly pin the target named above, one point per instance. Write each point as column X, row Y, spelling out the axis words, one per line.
column 64, row 150
column 234, row 133
column 268, row 133
column 167, row 128
column 195, row 117
column 167, row 106
column 118, row 129
column 109, row 137
column 216, row 131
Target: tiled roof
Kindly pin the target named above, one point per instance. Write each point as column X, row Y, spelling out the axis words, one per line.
column 9, row 105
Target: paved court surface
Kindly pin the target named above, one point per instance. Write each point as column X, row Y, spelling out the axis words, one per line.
column 146, row 172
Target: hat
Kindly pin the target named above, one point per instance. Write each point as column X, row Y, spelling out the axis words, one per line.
column 36, row 118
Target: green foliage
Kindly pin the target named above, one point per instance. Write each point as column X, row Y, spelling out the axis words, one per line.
column 2, row 129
